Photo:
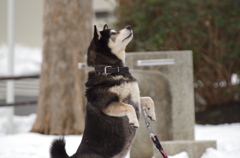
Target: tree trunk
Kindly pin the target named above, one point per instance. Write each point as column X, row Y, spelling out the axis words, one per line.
column 66, row 36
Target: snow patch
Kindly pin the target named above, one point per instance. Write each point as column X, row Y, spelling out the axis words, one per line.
column 235, row 79
column 27, row 60
column 180, row 155
column 33, row 145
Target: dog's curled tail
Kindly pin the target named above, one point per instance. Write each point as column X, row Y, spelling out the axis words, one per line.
column 57, row 149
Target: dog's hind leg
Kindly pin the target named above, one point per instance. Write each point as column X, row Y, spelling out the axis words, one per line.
column 119, row 109
column 148, row 105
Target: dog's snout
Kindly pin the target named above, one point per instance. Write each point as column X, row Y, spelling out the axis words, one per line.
column 128, row 27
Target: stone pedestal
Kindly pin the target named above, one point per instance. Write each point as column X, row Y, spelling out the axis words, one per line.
column 195, row 149
column 171, row 88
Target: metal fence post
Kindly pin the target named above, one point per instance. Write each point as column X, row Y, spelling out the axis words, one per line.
column 10, row 83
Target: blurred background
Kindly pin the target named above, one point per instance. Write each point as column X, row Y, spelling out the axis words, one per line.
column 211, row 29
column 50, row 37
column 28, row 38
column 29, row 19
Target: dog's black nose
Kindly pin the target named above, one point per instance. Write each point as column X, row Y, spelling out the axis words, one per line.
column 128, row 27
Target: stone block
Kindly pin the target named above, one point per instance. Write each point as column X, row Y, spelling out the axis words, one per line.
column 195, row 149
column 155, row 85
column 171, row 88
column 180, row 79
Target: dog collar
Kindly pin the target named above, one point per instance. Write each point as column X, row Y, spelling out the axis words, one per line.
column 110, row 69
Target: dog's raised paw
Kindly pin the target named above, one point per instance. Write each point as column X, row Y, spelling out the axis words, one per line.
column 152, row 118
column 134, row 126
column 134, row 123
column 151, row 114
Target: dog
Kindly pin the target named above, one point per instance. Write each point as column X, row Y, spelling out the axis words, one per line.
column 113, row 100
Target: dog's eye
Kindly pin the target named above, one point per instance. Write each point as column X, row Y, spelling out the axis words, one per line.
column 113, row 33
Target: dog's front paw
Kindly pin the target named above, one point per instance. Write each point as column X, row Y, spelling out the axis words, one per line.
column 134, row 123
column 151, row 114
column 148, row 105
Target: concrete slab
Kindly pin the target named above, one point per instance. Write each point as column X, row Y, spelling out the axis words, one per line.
column 195, row 149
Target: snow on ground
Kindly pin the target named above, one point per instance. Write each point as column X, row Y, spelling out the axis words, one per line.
column 23, row 144
column 227, row 136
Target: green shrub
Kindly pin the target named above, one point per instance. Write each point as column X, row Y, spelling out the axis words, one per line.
column 211, row 28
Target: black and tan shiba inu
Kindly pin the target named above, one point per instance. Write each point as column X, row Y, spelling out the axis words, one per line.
column 113, row 100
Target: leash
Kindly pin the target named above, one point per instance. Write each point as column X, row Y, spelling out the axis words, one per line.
column 153, row 136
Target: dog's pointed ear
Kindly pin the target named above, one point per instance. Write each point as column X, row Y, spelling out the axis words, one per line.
column 105, row 27
column 97, row 34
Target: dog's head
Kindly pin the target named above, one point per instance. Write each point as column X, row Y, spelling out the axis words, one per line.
column 107, row 47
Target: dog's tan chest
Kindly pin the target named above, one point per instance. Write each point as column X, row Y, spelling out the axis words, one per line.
column 126, row 89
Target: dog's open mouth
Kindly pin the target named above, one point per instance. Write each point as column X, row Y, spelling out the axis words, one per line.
column 127, row 37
